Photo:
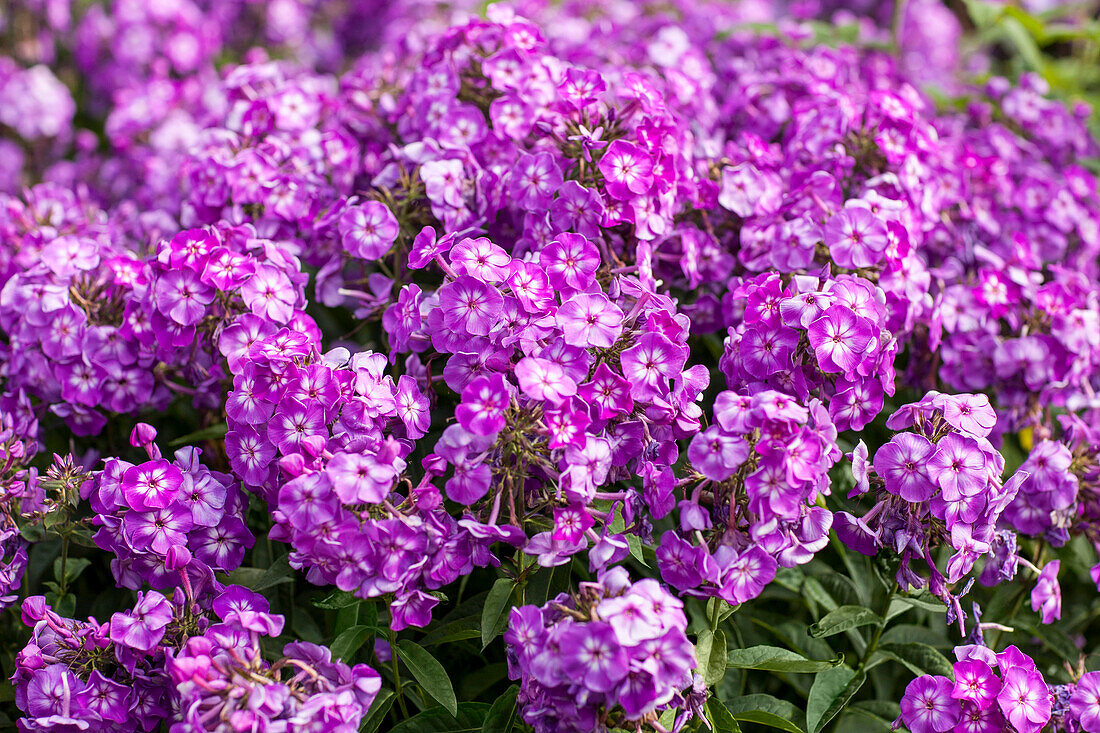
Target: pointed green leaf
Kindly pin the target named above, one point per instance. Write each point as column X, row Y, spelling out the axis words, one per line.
column 776, row 659
column 842, row 619
column 467, row 719
column 831, row 692
column 767, row 710
column 919, row 658
column 429, row 673
column 502, row 715
column 350, row 640
column 494, row 615
column 336, row 600
column 378, row 711
column 720, row 717
column 710, row 650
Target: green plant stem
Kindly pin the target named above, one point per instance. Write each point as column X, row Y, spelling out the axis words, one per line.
column 61, row 584
column 397, row 674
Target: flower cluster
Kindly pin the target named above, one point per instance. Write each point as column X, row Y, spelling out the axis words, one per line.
column 324, row 438
column 758, row 473
column 222, row 679
column 999, row 692
column 96, row 326
column 612, row 655
column 196, row 662
column 936, row 483
column 821, row 336
column 163, row 519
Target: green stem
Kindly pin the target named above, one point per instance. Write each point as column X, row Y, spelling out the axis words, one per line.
column 61, row 584
column 397, row 674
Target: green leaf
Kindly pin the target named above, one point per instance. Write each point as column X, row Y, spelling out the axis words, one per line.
column 710, row 650
column 502, row 715
column 214, row 432
column 336, row 600
column 775, row 659
column 828, row 684
column 458, row 630
column 919, row 658
column 721, row 718
column 494, row 615
column 842, row 619
column 429, row 673
column 829, row 695
column 721, row 608
column 814, row 591
column 767, row 710
column 378, row 711
column 279, row 572
column 468, row 719
column 922, row 600
column 74, row 566
column 350, row 640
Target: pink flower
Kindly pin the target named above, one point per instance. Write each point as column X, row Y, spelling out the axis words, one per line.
column 183, row 297
column 470, row 306
column 542, row 379
column 608, row 392
column 1024, row 699
column 588, row 320
column 1084, row 703
column 368, row 230
column 969, row 413
column 856, row 238
column 839, row 338
column 927, row 705
column 975, row 683
column 627, row 170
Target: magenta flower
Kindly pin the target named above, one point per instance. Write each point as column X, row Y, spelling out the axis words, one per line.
column 1025, row 700
column 470, row 306
column 927, row 705
column 570, row 261
column 902, row 464
column 1046, row 596
column 1084, row 703
column 958, row 467
column 157, row 530
column 481, row 259
column 648, row 364
column 856, row 237
column 270, row 294
column 627, row 170
column 975, row 683
column 368, row 230
column 545, row 380
column 590, row 321
column 142, row 627
column 484, row 401
column 151, row 485
column 766, row 351
column 839, row 338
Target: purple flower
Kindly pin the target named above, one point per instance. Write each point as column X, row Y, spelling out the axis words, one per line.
column 588, row 320
column 958, row 467
column 1046, row 596
column 1024, row 699
column 484, row 401
column 975, row 683
column 855, row 237
column 143, row 627
column 902, row 464
column 627, row 170
column 928, row 707
column 368, row 230
column 1084, row 703
column 151, row 485
column 839, row 338
column 470, row 306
